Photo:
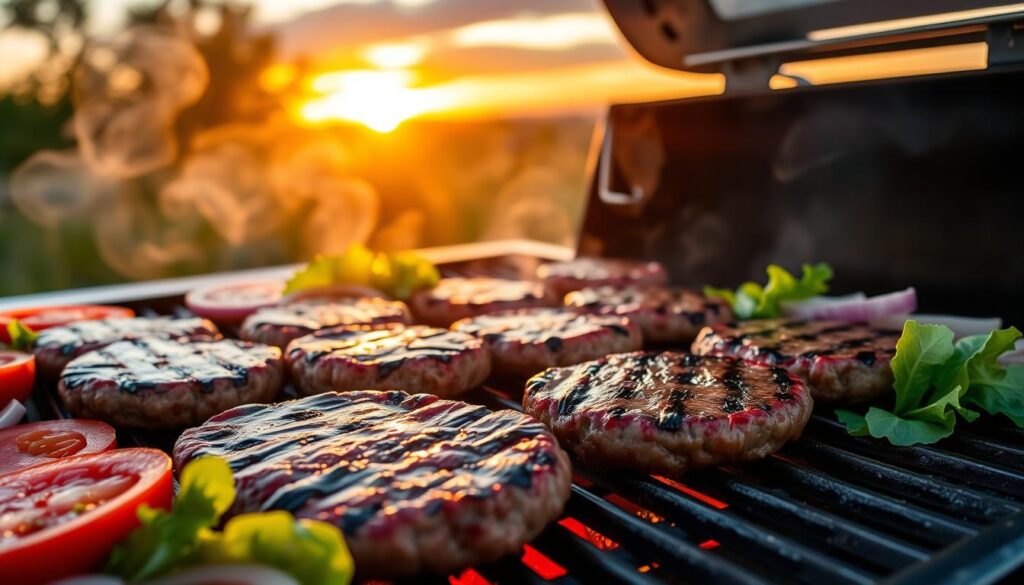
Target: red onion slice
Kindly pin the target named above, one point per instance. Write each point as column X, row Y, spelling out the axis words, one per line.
column 11, row 414
column 961, row 326
column 853, row 308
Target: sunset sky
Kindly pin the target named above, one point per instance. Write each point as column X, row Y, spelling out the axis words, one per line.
column 380, row 62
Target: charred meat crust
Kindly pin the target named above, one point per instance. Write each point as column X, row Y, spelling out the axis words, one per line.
column 669, row 412
column 279, row 325
column 527, row 341
column 663, row 314
column 57, row 346
column 393, row 357
column 157, row 383
column 416, row 483
column 841, row 362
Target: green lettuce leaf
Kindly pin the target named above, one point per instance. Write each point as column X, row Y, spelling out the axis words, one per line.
column 937, row 381
column 854, row 422
column 1005, row 396
column 752, row 301
column 397, row 275
column 22, row 337
column 167, row 540
column 313, row 552
column 921, row 355
column 903, row 432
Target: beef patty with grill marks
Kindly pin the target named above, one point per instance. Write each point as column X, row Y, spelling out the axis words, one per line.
column 663, row 314
column 417, row 484
column 565, row 277
column 394, row 357
column 278, row 326
column 57, row 346
column 669, row 412
column 166, row 384
column 841, row 362
column 527, row 341
column 459, row 298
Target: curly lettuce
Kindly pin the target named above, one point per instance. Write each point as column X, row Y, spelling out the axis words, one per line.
column 167, row 541
column 938, row 382
column 753, row 301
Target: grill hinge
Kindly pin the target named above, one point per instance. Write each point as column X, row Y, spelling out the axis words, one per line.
column 750, row 75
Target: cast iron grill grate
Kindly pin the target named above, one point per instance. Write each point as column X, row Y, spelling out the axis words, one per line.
column 829, row 508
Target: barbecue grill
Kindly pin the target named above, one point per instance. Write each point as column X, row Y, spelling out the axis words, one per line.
column 895, row 182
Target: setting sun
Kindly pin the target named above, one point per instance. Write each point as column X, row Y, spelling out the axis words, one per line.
column 380, row 100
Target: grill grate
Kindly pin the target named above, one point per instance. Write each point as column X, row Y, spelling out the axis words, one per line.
column 829, row 508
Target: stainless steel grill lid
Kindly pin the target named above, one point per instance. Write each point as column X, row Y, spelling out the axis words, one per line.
column 725, row 35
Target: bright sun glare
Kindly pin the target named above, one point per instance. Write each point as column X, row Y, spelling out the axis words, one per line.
column 380, row 100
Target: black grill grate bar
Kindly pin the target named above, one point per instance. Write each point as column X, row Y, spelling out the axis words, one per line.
column 813, row 525
column 945, row 496
column 986, row 450
column 993, row 427
column 584, row 560
column 844, row 497
column 731, row 530
column 631, row 531
column 990, row 476
column 997, row 551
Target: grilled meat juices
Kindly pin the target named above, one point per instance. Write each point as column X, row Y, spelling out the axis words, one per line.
column 430, row 360
column 159, row 383
column 669, row 412
column 57, row 346
column 416, row 483
column 841, row 362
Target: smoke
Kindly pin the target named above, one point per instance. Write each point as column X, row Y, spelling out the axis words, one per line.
column 127, row 95
column 53, row 186
column 152, row 203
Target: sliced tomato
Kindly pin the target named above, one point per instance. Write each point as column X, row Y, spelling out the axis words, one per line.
column 17, row 376
column 40, row 318
column 40, row 442
column 232, row 303
column 62, row 518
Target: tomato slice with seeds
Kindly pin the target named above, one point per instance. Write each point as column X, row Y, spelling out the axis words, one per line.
column 34, row 443
column 40, row 318
column 231, row 303
column 17, row 376
column 62, row 518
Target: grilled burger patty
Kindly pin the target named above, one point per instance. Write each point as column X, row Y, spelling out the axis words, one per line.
column 527, row 341
column 843, row 362
column 415, row 482
column 57, row 346
column 159, row 383
column 458, row 298
column 395, row 357
column 565, row 277
column 277, row 326
column 663, row 314
column 669, row 412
